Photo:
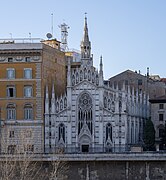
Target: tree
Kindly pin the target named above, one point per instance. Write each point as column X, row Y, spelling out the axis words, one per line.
column 149, row 136
column 17, row 160
column 163, row 138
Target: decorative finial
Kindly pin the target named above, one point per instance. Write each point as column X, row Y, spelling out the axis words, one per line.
column 85, row 19
column 147, row 71
column 101, row 59
column 85, row 25
column 101, row 64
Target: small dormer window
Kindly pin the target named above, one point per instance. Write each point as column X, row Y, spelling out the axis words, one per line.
column 27, row 59
column 10, row 59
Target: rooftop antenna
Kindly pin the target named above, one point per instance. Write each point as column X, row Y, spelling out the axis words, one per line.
column 30, row 36
column 52, row 27
column 11, row 36
column 64, row 34
column 148, row 71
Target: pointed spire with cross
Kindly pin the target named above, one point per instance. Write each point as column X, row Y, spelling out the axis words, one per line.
column 85, row 43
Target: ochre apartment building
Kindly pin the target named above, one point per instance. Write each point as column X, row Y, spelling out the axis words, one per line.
column 25, row 69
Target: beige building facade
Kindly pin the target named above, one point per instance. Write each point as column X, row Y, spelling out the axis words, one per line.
column 143, row 83
column 158, row 117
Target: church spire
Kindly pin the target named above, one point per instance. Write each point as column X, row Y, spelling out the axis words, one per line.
column 101, row 64
column 85, row 43
column 101, row 72
column 86, row 36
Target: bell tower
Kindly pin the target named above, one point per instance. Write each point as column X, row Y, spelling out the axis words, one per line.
column 86, row 58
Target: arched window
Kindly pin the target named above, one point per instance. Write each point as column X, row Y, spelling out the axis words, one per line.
column 28, row 112
column 77, row 78
column 109, row 132
column 85, row 73
column 109, row 104
column 89, row 75
column 93, row 77
column 81, row 75
column 61, row 132
column 120, row 106
column 97, row 79
column 61, row 105
column 57, row 107
column 65, row 102
column 11, row 112
column 85, row 112
column 105, row 102
column 73, row 80
column 113, row 106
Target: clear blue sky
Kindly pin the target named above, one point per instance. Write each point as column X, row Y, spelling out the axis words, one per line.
column 129, row 34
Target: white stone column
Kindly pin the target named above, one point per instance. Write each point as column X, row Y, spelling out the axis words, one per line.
column 101, row 129
column 53, row 100
column 69, row 134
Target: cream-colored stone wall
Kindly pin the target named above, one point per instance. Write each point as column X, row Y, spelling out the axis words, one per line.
column 155, row 111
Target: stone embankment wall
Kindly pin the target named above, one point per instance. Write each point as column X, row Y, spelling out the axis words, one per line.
column 126, row 166
column 130, row 166
column 116, row 170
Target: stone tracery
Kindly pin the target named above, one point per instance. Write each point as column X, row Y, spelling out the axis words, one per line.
column 85, row 112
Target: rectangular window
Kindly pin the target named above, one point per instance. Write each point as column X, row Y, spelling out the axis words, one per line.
column 28, row 73
column 28, row 113
column 10, row 73
column 11, row 134
column 29, row 148
column 161, row 117
column 11, row 149
column 11, row 114
column 28, row 91
column 161, row 106
column 126, row 82
column 139, row 82
column 11, row 91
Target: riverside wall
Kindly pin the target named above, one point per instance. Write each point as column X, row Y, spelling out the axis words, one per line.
column 127, row 166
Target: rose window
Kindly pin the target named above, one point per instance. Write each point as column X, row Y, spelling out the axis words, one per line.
column 85, row 101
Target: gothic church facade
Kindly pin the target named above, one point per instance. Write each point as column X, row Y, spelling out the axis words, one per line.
column 91, row 116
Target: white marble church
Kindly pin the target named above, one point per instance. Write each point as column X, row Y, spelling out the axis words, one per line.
column 93, row 117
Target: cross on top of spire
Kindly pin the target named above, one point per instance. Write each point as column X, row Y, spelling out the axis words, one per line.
column 85, row 26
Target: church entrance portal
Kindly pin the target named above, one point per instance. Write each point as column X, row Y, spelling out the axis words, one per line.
column 85, row 148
